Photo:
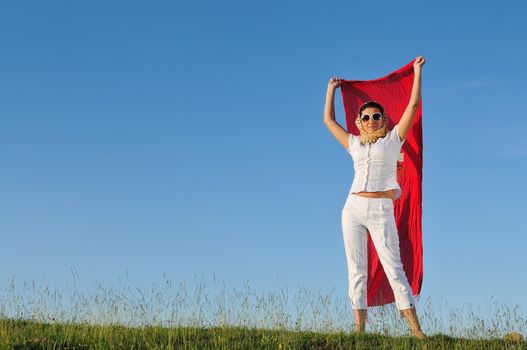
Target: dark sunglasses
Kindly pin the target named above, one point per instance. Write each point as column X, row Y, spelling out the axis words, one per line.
column 374, row 116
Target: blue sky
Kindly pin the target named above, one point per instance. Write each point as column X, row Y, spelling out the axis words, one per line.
column 186, row 138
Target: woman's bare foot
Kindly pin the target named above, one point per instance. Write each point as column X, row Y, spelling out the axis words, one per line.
column 411, row 317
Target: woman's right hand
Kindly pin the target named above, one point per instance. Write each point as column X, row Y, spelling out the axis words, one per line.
column 334, row 82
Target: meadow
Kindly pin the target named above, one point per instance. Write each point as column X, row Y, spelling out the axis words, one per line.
column 195, row 315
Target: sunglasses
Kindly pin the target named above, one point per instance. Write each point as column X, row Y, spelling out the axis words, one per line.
column 374, row 116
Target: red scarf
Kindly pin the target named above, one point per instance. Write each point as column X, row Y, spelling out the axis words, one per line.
column 393, row 93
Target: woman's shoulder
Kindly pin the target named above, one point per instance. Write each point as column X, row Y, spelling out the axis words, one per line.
column 393, row 135
column 351, row 141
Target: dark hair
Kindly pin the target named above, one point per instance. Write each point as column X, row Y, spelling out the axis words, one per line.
column 371, row 104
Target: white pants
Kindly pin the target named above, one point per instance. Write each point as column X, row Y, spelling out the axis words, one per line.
column 375, row 215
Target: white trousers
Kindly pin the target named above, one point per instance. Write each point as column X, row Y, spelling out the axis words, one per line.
column 375, row 215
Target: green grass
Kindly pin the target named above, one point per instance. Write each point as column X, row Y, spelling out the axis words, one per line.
column 181, row 316
column 17, row 334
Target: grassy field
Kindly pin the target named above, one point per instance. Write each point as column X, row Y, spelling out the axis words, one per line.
column 33, row 335
column 181, row 316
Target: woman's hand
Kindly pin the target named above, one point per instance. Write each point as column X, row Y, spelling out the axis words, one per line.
column 418, row 63
column 334, row 83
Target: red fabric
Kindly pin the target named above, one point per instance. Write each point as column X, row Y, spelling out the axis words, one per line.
column 393, row 93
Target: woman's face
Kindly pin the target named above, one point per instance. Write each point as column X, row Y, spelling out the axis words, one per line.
column 371, row 125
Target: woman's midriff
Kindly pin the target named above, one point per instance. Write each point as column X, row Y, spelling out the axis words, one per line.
column 380, row 194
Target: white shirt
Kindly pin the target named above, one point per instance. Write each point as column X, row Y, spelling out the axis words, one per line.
column 376, row 163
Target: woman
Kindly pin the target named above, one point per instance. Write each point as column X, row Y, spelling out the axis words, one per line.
column 369, row 204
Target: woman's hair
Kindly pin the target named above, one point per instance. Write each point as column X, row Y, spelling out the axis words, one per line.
column 371, row 104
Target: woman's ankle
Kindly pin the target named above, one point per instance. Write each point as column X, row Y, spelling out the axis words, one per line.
column 360, row 319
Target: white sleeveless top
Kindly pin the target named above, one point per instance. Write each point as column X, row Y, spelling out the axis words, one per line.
column 376, row 163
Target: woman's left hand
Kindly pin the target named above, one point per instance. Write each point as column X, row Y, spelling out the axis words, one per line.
column 419, row 62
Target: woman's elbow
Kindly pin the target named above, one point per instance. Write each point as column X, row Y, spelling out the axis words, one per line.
column 328, row 121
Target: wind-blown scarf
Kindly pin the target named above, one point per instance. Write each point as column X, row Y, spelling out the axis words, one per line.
column 393, row 93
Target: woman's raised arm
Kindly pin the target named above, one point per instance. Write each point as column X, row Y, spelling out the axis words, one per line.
column 329, row 113
column 408, row 116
